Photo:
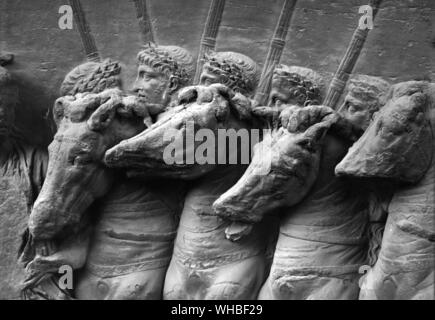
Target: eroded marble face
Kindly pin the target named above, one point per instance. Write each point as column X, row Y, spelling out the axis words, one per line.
column 356, row 111
column 8, row 100
column 154, row 87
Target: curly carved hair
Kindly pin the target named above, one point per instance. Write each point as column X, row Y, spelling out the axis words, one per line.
column 173, row 61
column 305, row 85
column 237, row 71
column 372, row 90
column 92, row 77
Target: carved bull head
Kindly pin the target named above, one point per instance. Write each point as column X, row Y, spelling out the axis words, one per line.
column 88, row 125
column 294, row 164
column 211, row 108
column 399, row 143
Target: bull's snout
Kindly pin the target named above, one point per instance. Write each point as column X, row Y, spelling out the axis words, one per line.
column 42, row 221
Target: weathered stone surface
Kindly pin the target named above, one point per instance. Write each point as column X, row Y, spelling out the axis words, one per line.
column 399, row 145
column 13, row 219
column 323, row 228
column 122, row 236
column 93, row 116
column 22, row 169
column 205, row 265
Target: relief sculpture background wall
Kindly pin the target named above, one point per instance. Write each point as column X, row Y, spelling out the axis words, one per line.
column 401, row 47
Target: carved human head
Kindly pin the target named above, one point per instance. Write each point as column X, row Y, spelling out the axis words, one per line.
column 296, row 86
column 365, row 96
column 8, row 102
column 92, row 77
column 235, row 70
column 162, row 72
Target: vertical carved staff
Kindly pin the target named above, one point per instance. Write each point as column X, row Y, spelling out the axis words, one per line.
column 88, row 41
column 211, row 29
column 348, row 62
column 276, row 48
column 145, row 24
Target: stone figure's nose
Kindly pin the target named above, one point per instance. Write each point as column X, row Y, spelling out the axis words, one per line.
column 136, row 87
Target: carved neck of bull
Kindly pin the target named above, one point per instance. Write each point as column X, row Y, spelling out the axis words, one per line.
column 76, row 174
column 399, row 143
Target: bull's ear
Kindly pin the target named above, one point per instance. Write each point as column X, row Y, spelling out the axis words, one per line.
column 59, row 108
column 188, row 95
column 223, row 90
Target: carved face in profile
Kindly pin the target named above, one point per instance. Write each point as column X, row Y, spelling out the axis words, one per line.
column 154, row 86
column 365, row 96
column 356, row 111
column 398, row 143
column 162, row 71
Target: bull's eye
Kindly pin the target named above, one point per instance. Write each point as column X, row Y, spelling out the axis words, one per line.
column 82, row 160
column 307, row 144
column 79, row 158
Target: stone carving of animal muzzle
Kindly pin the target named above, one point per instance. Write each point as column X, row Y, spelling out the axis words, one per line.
column 293, row 160
column 398, row 144
column 169, row 148
column 88, row 125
